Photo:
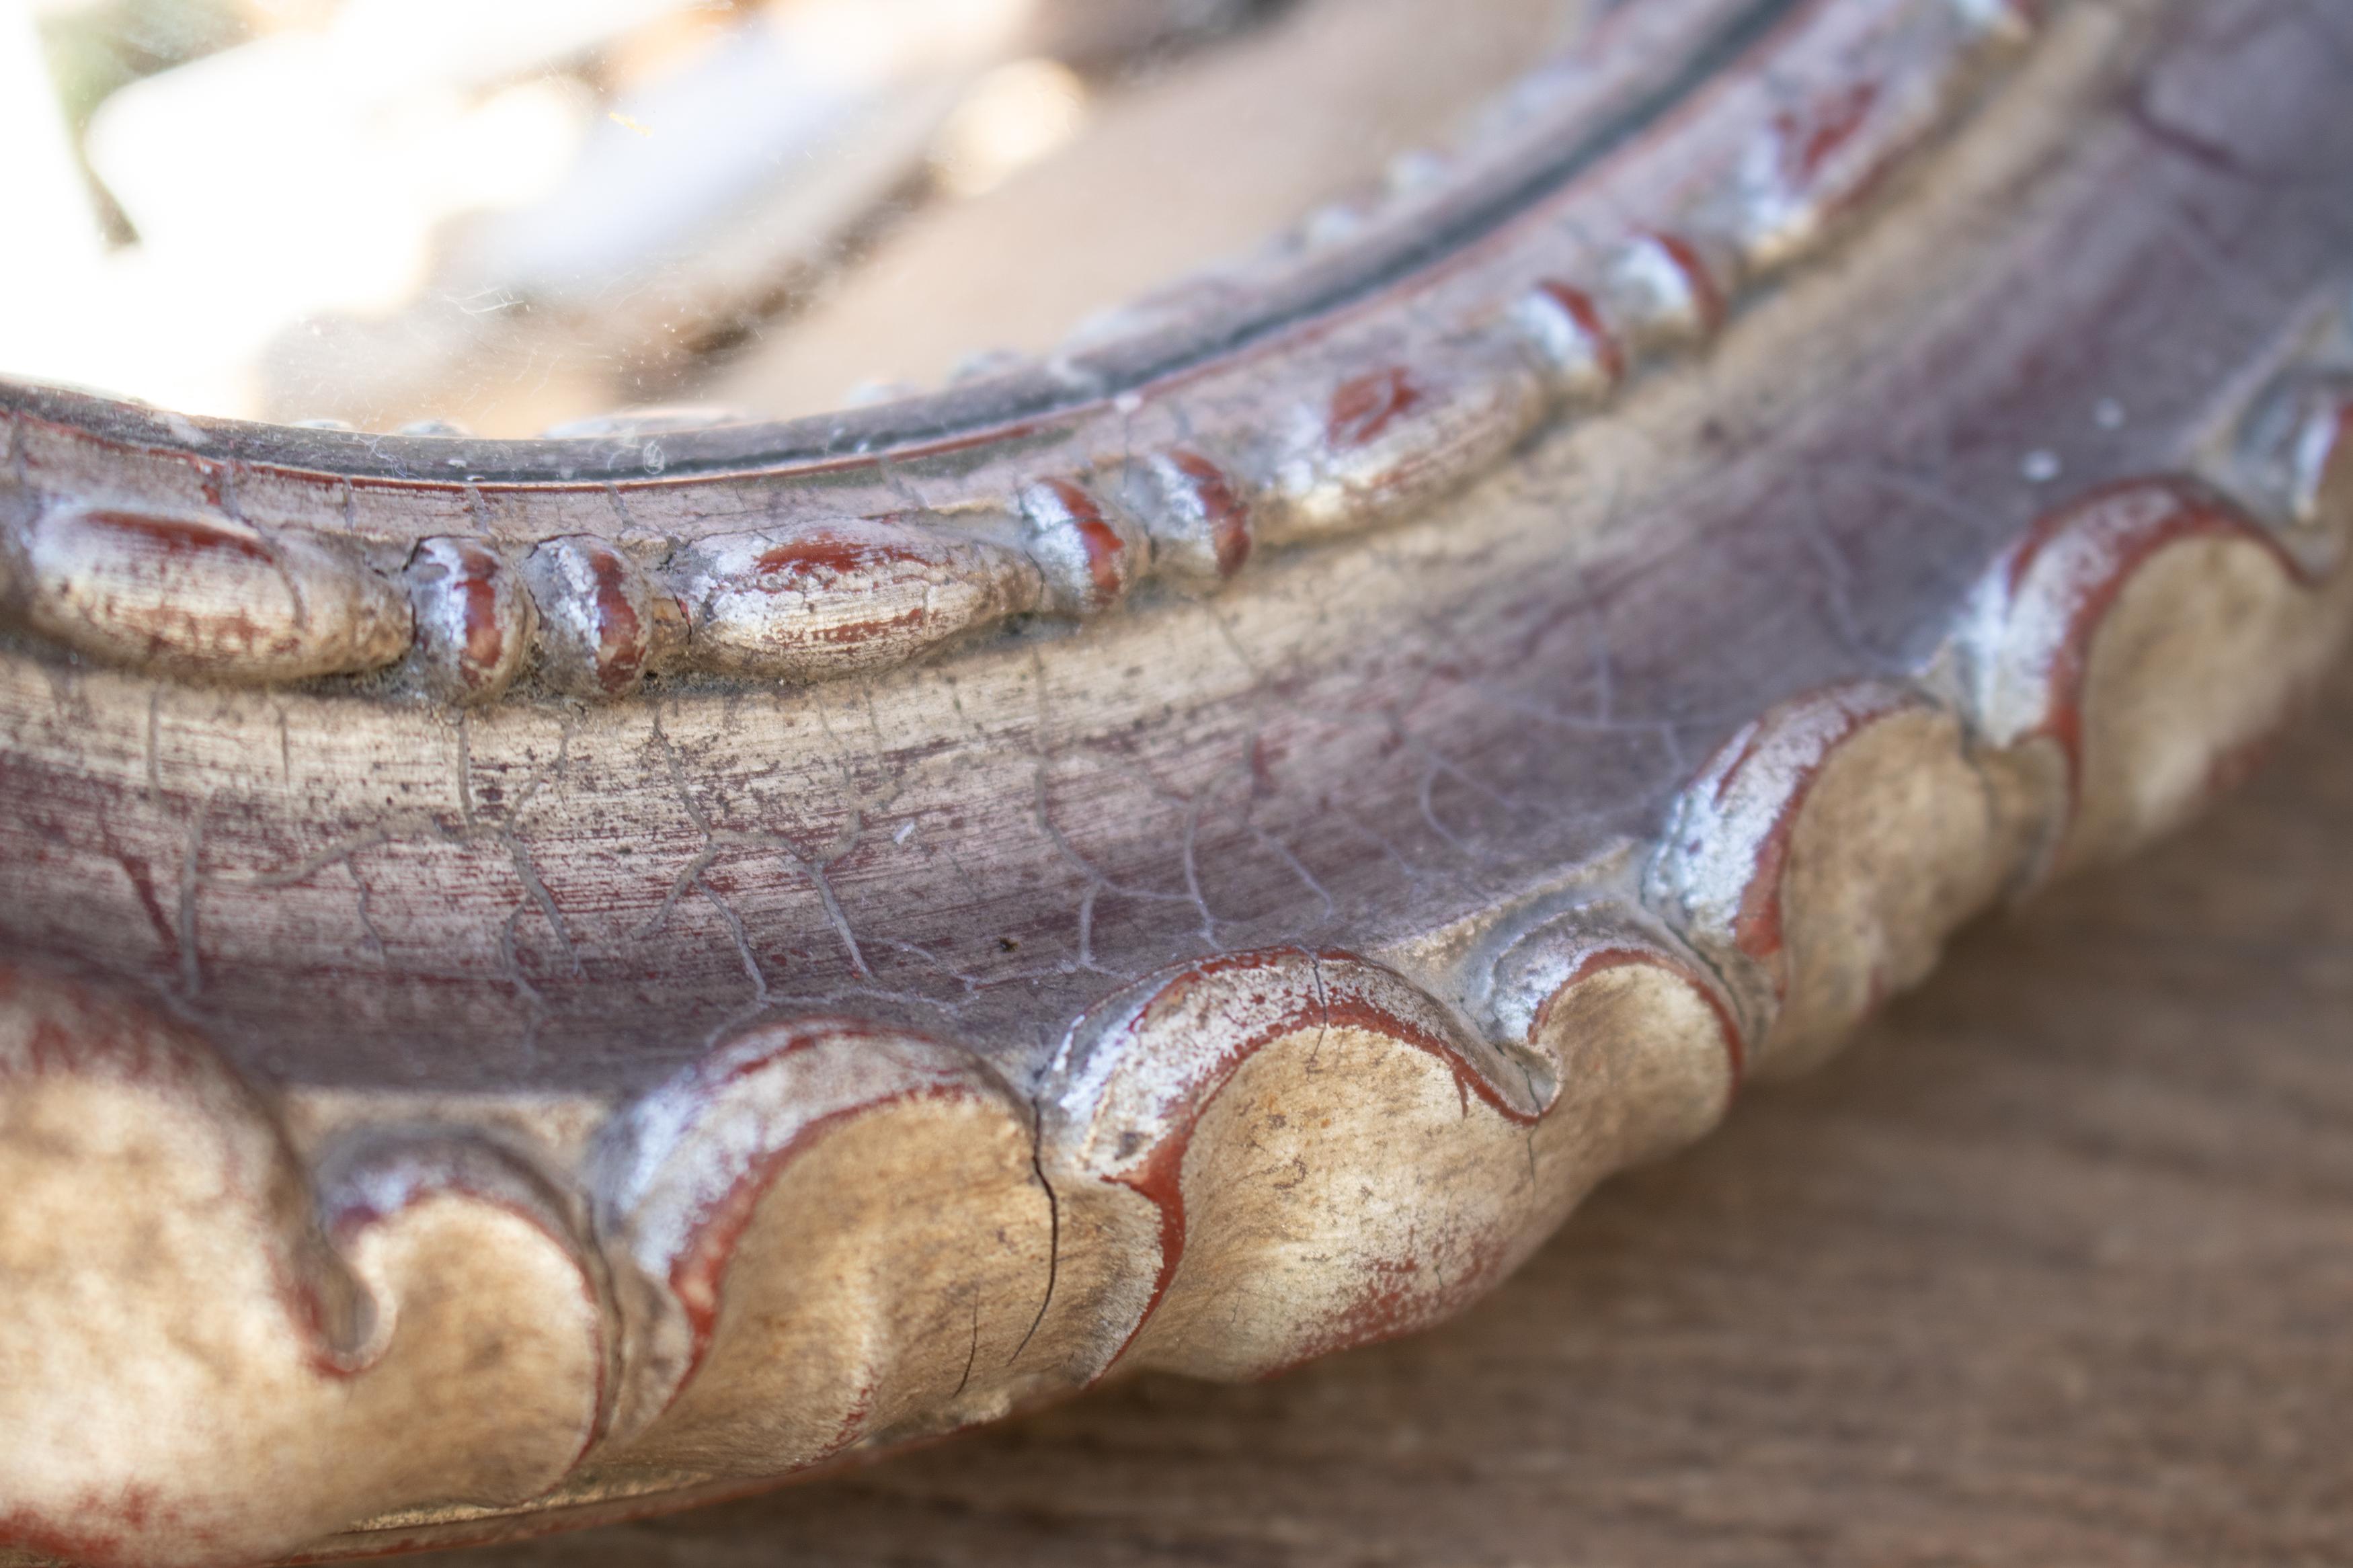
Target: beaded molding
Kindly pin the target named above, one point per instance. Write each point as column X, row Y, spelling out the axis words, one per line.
column 1332, row 422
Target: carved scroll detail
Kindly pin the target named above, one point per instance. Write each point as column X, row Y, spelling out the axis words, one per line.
column 2149, row 636
column 208, row 1359
column 824, row 1232
column 1820, row 858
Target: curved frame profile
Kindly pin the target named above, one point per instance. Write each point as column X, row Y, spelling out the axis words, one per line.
column 589, row 973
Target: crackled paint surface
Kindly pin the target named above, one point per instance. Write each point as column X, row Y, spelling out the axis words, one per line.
column 1353, row 859
column 969, row 847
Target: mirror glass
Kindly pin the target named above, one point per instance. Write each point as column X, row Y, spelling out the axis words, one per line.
column 512, row 215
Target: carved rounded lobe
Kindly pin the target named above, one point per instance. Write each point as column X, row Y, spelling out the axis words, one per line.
column 832, row 598
column 1665, row 287
column 604, row 624
column 1833, row 137
column 192, row 1372
column 1089, row 553
column 2143, row 639
column 1639, row 1047
column 474, row 618
column 1823, row 856
column 1198, row 516
column 204, row 596
column 824, row 1232
column 1390, row 439
column 1238, row 1122
column 1582, row 358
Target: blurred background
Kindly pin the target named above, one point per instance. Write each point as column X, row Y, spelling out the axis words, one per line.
column 513, row 215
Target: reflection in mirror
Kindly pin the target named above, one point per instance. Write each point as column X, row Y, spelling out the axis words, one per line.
column 510, row 216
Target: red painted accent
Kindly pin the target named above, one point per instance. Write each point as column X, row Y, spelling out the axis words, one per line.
column 851, row 632
column 1607, row 352
column 1276, row 1008
column 105, row 1038
column 623, row 640
column 1810, row 137
column 829, row 551
column 829, row 560
column 698, row 1273
column 1707, row 295
column 87, row 1540
column 1607, row 958
column 174, row 537
column 143, row 882
column 1390, row 1306
column 1757, row 928
column 1365, row 405
column 1229, row 519
column 2187, row 509
column 485, row 637
column 1107, row 566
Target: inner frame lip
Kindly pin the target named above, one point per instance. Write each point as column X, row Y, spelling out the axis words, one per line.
column 1012, row 406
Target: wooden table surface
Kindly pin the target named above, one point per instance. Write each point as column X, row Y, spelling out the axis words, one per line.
column 2053, row 1267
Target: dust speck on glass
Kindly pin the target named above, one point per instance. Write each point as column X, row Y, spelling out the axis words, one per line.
column 509, row 216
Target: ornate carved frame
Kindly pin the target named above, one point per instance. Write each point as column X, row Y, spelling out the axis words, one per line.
column 551, row 978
